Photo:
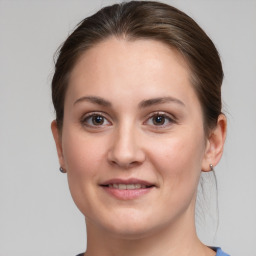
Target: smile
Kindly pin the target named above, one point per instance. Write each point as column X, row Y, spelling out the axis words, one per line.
column 127, row 186
column 127, row 189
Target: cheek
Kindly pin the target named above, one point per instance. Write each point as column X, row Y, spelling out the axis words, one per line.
column 83, row 157
column 178, row 160
column 178, row 151
column 178, row 165
column 82, row 154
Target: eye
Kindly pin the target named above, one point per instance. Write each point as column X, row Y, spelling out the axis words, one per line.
column 94, row 120
column 160, row 119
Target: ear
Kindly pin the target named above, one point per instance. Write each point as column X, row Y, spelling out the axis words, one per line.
column 215, row 143
column 57, row 138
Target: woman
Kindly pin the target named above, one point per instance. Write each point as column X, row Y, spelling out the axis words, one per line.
column 137, row 94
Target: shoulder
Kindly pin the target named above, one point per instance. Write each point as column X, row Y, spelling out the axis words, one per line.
column 219, row 252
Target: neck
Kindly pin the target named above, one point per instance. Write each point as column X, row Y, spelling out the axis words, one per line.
column 178, row 238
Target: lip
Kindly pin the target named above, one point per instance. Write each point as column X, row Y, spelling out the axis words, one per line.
column 127, row 181
column 127, row 194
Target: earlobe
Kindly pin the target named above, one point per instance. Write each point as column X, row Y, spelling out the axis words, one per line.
column 57, row 138
column 215, row 144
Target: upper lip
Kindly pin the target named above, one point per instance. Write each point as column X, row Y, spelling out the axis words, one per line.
column 127, row 181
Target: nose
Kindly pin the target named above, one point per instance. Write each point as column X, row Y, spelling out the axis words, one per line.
column 126, row 150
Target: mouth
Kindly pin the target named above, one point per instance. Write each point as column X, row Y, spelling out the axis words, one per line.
column 127, row 189
column 127, row 186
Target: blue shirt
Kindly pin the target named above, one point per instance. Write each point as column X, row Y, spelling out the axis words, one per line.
column 218, row 251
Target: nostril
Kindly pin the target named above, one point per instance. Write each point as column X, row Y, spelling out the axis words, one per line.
column 124, row 164
column 126, row 152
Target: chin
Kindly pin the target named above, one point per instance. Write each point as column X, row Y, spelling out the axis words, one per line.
column 129, row 224
column 131, row 232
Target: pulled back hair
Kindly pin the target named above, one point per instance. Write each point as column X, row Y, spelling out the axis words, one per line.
column 146, row 20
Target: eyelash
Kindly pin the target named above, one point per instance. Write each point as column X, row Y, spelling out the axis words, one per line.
column 88, row 117
column 85, row 120
column 165, row 116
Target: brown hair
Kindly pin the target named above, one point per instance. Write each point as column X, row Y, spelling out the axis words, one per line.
column 149, row 20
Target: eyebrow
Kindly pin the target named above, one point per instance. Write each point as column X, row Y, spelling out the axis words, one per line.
column 160, row 100
column 95, row 100
column 144, row 104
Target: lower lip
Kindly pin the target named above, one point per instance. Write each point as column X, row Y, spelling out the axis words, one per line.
column 127, row 194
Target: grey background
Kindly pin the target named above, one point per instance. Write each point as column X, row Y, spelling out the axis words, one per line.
column 37, row 214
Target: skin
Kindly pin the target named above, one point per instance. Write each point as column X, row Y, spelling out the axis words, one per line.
column 129, row 143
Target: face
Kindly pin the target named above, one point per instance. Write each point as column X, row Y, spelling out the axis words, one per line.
column 133, row 142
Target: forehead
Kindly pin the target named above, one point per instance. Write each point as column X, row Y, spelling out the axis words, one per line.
column 119, row 67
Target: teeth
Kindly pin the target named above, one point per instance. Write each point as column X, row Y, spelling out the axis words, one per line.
column 130, row 186
column 127, row 186
column 122, row 186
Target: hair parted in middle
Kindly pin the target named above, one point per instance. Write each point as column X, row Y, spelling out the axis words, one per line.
column 146, row 20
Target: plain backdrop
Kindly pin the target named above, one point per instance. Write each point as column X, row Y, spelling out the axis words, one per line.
column 37, row 214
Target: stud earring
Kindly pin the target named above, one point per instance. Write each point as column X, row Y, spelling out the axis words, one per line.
column 62, row 170
column 211, row 167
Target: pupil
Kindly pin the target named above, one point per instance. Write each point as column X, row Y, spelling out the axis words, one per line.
column 98, row 120
column 159, row 120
